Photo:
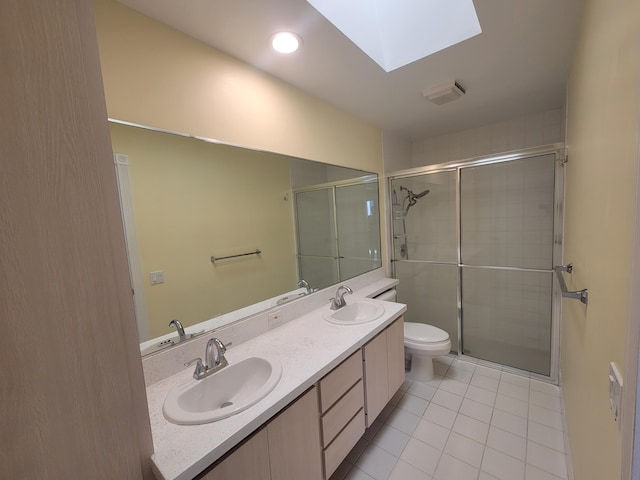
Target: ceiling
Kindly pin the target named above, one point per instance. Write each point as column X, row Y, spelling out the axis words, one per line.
column 518, row 65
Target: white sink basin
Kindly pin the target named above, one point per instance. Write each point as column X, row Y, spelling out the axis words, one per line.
column 224, row 393
column 362, row 311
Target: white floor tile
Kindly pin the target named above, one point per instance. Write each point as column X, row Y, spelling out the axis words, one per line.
column 486, row 476
column 440, row 415
column 465, row 449
column 476, row 410
column 488, row 383
column 421, row 456
column 515, row 391
column 357, row 474
column 422, row 390
column 533, row 473
column 502, row 466
column 515, row 379
column 471, row 428
column 370, row 432
column 406, row 471
column 545, row 400
column 545, row 417
column 547, row 459
column 376, row 462
column 446, row 359
column 488, row 372
column 405, row 386
column 432, row 434
column 509, row 422
column 460, row 374
column 543, row 387
column 451, row 468
column 440, row 369
column 397, row 397
column 391, row 440
column 412, row 404
column 546, row 436
column 341, row 471
column 447, row 400
column 404, row 421
column 481, row 395
column 512, row 405
column 357, row 450
column 507, row 442
column 453, row 386
column 467, row 365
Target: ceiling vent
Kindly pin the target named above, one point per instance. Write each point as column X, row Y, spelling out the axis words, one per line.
column 444, row 93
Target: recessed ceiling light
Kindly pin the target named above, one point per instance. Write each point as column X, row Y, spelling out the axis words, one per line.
column 285, row 42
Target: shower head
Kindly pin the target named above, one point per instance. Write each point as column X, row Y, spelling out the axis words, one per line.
column 412, row 198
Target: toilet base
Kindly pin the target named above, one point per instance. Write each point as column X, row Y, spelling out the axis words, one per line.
column 421, row 368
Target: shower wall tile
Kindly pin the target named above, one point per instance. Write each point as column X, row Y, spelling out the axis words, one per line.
column 518, row 133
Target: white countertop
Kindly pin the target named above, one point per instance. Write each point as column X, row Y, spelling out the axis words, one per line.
column 308, row 348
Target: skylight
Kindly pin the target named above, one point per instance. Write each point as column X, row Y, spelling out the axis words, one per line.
column 395, row 33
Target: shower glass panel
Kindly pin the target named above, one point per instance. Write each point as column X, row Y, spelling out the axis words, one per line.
column 316, row 233
column 507, row 218
column 357, row 218
column 430, row 291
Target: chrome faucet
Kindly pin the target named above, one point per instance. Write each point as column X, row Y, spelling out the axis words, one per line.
column 304, row 284
column 338, row 301
column 181, row 335
column 213, row 359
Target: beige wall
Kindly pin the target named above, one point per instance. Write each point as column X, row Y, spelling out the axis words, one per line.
column 602, row 138
column 157, row 76
column 192, row 200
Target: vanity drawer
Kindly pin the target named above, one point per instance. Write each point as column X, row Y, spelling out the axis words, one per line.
column 335, row 453
column 340, row 380
column 339, row 415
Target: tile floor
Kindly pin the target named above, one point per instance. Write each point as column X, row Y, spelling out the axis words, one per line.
column 470, row 423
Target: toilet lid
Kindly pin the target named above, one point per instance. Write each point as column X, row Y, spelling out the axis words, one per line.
column 421, row 332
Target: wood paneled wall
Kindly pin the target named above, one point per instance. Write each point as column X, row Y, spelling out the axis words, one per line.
column 72, row 398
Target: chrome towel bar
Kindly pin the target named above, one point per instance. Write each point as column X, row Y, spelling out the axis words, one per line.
column 214, row 259
column 582, row 295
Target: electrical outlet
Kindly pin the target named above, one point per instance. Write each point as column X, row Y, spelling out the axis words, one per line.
column 156, row 277
column 275, row 318
column 615, row 392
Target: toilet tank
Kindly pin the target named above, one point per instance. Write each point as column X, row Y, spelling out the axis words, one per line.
column 387, row 295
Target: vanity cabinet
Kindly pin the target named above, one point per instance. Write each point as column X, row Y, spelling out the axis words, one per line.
column 287, row 448
column 341, row 395
column 383, row 368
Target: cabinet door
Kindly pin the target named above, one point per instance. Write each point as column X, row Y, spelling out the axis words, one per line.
column 295, row 452
column 250, row 461
column 376, row 382
column 395, row 351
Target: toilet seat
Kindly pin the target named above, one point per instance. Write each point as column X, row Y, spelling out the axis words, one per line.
column 421, row 333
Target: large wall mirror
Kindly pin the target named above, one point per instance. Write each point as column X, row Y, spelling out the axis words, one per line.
column 213, row 228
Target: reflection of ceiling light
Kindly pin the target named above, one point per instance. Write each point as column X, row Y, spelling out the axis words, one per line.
column 396, row 33
column 444, row 93
column 285, row 42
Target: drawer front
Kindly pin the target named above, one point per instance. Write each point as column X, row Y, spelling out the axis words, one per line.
column 340, row 380
column 343, row 443
column 339, row 415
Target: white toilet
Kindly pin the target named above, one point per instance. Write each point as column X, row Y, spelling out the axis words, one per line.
column 422, row 342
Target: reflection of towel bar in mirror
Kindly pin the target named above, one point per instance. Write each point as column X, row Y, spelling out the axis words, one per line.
column 215, row 259
column 582, row 295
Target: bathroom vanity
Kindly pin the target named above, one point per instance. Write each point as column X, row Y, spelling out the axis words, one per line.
column 335, row 381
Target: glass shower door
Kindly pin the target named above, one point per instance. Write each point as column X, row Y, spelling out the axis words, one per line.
column 425, row 242
column 507, row 219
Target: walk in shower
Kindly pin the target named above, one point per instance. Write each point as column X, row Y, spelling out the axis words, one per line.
column 474, row 244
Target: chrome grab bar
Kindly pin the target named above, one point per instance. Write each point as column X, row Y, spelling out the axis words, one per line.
column 582, row 295
column 215, row 259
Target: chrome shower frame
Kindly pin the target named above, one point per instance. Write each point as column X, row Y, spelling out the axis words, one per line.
column 558, row 149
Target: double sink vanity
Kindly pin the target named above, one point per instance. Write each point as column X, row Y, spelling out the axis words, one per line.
column 292, row 401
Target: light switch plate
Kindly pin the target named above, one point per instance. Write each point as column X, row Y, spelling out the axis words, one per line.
column 156, row 277
column 615, row 392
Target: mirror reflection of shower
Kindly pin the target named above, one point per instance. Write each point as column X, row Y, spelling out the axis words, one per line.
column 400, row 211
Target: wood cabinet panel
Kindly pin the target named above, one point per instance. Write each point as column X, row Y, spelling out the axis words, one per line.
column 343, row 443
column 339, row 415
column 395, row 353
column 295, row 451
column 250, row 461
column 339, row 380
column 376, row 382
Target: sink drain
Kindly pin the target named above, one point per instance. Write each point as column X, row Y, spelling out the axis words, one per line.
column 226, row 404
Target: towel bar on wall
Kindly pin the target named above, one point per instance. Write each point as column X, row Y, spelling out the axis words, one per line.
column 214, row 259
column 582, row 295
